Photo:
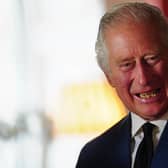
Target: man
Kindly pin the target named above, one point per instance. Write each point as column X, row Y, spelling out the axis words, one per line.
column 132, row 50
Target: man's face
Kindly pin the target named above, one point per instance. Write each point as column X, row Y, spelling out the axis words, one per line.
column 139, row 68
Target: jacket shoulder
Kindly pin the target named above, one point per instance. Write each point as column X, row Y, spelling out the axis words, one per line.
column 100, row 148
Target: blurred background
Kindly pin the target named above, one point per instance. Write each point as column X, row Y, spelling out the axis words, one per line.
column 53, row 96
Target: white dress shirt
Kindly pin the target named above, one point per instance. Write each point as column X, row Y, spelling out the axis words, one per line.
column 137, row 132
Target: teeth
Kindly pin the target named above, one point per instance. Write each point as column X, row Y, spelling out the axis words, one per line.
column 148, row 94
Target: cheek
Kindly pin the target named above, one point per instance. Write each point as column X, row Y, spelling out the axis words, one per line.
column 166, row 71
column 162, row 72
column 121, row 81
column 162, row 68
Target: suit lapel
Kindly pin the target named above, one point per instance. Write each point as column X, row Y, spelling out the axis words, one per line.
column 123, row 146
column 161, row 155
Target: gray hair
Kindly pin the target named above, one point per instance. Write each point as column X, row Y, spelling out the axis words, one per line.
column 124, row 13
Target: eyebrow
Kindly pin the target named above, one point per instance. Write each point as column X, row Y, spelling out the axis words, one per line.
column 125, row 60
column 153, row 53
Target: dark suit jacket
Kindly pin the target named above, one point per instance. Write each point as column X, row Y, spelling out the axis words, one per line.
column 112, row 149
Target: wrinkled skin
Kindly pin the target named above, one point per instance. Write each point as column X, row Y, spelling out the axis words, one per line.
column 139, row 68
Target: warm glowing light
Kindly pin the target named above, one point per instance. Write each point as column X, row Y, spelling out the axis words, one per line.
column 89, row 107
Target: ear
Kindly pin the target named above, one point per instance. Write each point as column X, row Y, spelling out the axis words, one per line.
column 110, row 80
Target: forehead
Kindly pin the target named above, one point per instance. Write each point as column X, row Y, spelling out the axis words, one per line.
column 131, row 26
column 132, row 40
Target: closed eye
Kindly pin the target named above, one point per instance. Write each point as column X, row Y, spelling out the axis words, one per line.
column 125, row 66
column 152, row 60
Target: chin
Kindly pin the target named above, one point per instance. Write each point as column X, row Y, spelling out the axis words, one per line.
column 151, row 115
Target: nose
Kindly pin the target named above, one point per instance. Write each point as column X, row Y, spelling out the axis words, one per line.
column 143, row 74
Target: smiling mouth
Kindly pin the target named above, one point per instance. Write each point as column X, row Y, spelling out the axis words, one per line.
column 148, row 95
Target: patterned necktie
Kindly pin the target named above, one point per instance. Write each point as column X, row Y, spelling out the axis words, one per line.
column 145, row 150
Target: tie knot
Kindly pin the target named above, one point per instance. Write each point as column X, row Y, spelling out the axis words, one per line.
column 148, row 128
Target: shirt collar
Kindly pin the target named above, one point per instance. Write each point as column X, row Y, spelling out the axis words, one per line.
column 137, row 123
